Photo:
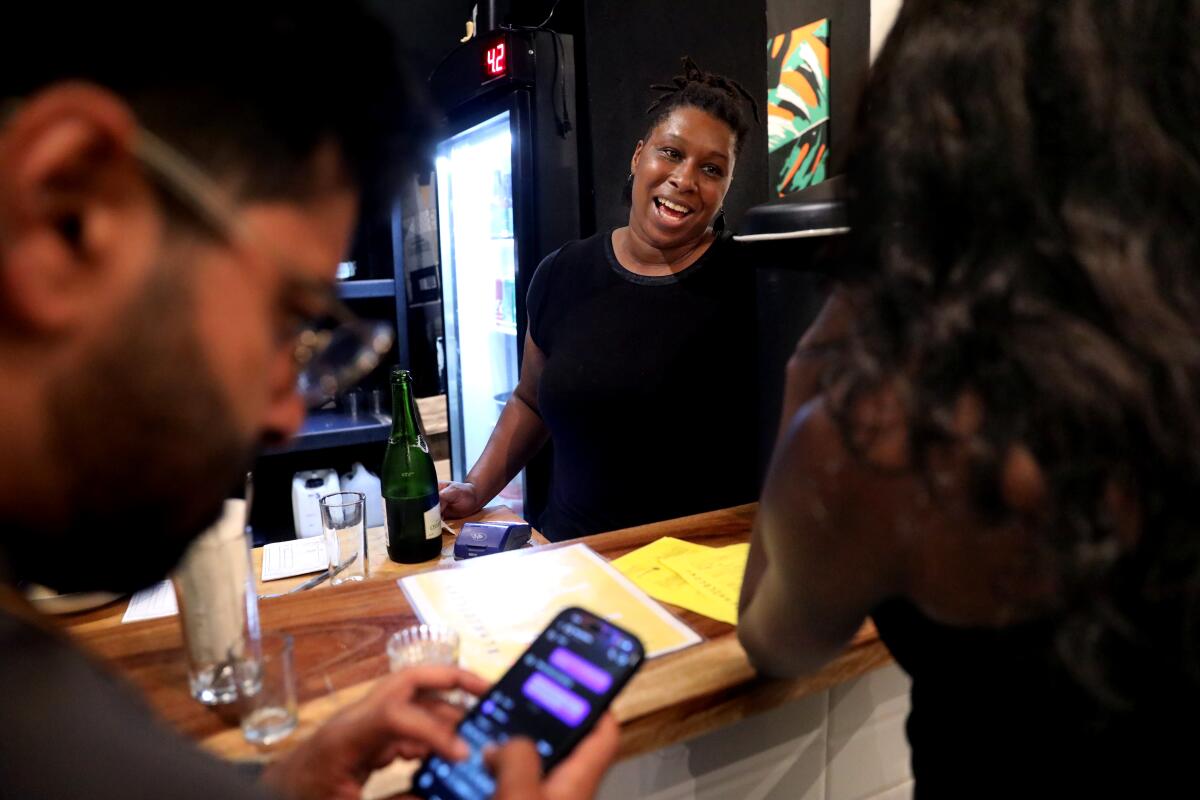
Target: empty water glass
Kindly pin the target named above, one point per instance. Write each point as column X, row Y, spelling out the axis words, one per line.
column 344, row 522
column 270, row 715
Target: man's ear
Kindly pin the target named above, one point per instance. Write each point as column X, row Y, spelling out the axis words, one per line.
column 78, row 219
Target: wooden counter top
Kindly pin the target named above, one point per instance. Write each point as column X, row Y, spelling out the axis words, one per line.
column 340, row 634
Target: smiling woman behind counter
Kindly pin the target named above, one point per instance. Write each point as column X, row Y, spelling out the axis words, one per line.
column 635, row 338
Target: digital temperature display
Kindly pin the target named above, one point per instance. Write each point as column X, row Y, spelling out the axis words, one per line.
column 495, row 61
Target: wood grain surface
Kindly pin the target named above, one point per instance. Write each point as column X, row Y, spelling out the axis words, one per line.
column 340, row 634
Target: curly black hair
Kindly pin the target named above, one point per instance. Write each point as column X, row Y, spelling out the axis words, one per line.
column 1026, row 181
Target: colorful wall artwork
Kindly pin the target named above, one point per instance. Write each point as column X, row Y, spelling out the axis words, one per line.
column 798, row 107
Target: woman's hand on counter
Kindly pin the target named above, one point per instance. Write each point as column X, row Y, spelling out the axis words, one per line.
column 517, row 767
column 458, row 499
column 400, row 718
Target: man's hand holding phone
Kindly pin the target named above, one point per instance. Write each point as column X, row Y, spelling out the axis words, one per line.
column 518, row 767
column 402, row 718
column 555, row 696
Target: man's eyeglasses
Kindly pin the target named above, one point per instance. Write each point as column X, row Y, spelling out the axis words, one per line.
column 334, row 348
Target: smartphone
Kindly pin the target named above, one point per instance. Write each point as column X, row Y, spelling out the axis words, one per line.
column 553, row 695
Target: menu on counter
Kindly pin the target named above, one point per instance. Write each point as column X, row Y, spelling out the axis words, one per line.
column 500, row 603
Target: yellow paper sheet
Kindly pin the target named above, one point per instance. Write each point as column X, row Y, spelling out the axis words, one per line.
column 714, row 572
column 645, row 567
column 500, row 603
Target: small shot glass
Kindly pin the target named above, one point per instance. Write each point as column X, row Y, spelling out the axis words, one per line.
column 423, row 644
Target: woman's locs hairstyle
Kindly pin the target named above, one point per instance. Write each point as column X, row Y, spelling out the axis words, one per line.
column 722, row 97
column 718, row 95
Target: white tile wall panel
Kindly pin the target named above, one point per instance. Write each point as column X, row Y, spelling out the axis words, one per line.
column 874, row 758
column 902, row 792
column 772, row 756
column 876, row 695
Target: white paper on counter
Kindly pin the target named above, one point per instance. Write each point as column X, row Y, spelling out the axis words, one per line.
column 297, row 557
column 151, row 603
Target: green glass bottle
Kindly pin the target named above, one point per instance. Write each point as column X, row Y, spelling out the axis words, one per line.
column 409, row 483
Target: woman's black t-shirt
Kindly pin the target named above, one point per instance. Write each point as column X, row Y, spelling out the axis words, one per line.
column 996, row 714
column 648, row 386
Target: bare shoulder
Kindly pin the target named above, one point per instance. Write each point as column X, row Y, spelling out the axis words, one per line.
column 841, row 494
column 840, row 479
column 842, row 448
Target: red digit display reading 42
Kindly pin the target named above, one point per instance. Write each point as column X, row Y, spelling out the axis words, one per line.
column 497, row 60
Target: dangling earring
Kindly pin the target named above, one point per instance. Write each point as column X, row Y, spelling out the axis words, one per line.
column 719, row 221
column 627, row 192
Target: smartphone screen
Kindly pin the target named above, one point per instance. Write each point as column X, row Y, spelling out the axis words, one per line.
column 553, row 695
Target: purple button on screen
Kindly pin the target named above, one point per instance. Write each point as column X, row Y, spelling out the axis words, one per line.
column 567, row 706
column 581, row 670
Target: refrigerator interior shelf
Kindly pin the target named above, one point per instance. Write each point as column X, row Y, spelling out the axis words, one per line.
column 354, row 289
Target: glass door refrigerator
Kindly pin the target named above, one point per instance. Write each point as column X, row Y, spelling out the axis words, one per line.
column 507, row 195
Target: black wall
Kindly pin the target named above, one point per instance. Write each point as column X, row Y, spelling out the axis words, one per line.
column 427, row 29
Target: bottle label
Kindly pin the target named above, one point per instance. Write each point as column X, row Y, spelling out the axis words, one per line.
column 433, row 520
